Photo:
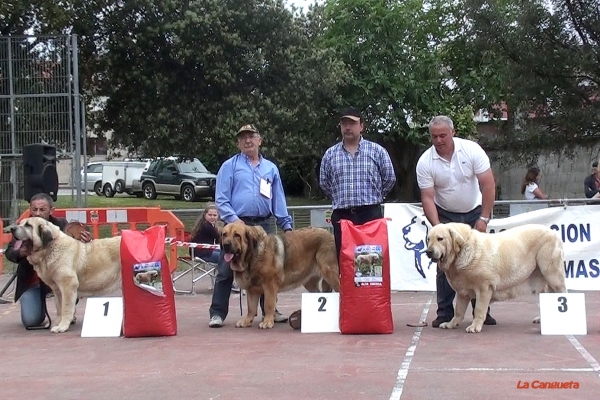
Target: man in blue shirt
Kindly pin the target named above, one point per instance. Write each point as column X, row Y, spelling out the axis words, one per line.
column 356, row 174
column 249, row 190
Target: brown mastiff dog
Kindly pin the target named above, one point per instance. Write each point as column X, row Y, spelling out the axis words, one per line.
column 271, row 264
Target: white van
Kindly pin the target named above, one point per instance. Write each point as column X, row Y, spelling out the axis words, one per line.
column 122, row 177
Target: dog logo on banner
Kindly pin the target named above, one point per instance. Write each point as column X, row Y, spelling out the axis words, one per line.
column 417, row 243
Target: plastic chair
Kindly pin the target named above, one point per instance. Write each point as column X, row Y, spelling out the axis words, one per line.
column 197, row 267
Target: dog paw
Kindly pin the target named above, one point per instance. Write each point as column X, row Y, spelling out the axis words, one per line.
column 266, row 324
column 445, row 325
column 59, row 329
column 537, row 320
column 243, row 323
column 473, row 328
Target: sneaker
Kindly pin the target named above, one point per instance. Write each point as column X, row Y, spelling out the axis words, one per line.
column 279, row 317
column 438, row 321
column 235, row 288
column 215, row 322
column 489, row 320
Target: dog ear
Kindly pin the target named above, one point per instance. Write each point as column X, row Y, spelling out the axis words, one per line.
column 252, row 244
column 457, row 240
column 45, row 235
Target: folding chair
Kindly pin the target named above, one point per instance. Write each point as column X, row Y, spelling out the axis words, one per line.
column 197, row 267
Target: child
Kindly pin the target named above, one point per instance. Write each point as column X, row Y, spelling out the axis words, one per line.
column 530, row 189
column 206, row 232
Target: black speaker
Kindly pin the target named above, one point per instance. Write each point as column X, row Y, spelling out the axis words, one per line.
column 39, row 170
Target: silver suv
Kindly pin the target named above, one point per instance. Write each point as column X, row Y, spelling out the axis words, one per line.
column 94, row 178
column 185, row 179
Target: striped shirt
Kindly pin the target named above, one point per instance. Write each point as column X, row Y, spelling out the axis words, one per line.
column 356, row 180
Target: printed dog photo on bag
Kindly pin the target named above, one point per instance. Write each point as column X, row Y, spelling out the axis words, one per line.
column 147, row 276
column 368, row 265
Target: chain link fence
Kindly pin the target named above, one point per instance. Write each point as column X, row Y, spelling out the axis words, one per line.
column 39, row 103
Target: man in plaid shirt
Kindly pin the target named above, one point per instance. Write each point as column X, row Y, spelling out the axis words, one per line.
column 356, row 174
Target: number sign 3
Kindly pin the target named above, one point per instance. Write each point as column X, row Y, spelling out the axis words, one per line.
column 563, row 314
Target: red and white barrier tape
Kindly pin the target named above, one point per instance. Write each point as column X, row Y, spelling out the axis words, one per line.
column 182, row 244
column 192, row 245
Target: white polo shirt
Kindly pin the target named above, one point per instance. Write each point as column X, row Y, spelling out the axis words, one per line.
column 455, row 181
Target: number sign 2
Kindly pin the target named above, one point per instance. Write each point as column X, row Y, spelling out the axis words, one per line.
column 103, row 317
column 320, row 312
column 563, row 314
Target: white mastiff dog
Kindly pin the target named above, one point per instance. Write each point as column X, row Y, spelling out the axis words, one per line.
column 496, row 267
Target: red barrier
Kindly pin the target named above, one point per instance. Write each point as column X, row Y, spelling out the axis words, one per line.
column 117, row 219
column 4, row 240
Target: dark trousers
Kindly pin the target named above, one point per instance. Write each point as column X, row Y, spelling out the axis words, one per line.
column 224, row 280
column 445, row 293
column 358, row 216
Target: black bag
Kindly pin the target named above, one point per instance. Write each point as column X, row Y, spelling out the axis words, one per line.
column 295, row 320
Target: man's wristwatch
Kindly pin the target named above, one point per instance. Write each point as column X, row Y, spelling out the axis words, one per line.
column 484, row 219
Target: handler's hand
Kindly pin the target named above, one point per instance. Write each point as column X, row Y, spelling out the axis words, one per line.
column 85, row 236
column 481, row 226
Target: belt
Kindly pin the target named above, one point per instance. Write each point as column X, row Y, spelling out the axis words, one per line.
column 358, row 209
column 255, row 219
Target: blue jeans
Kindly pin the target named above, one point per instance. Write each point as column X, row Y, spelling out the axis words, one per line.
column 224, row 281
column 32, row 310
column 213, row 258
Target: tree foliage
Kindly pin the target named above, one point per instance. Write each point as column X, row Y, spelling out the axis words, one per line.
column 542, row 58
column 181, row 76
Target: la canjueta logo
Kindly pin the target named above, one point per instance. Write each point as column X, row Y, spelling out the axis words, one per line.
column 547, row 385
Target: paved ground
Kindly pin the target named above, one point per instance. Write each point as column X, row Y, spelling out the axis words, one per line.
column 232, row 363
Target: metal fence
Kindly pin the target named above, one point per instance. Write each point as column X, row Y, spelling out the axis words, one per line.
column 304, row 216
column 39, row 103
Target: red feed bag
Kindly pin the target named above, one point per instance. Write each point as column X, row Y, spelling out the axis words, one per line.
column 365, row 291
column 148, row 298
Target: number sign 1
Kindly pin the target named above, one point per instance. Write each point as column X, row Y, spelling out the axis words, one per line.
column 103, row 317
column 563, row 314
column 320, row 312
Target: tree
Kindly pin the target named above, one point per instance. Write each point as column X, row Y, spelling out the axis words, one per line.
column 547, row 56
column 395, row 52
column 181, row 77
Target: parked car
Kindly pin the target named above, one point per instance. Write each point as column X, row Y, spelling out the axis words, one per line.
column 185, row 179
column 94, row 178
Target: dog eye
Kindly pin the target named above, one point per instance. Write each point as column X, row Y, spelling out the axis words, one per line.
column 440, row 239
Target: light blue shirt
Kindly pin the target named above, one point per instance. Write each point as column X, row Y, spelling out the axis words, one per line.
column 238, row 191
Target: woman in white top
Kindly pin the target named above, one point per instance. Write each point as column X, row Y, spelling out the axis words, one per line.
column 530, row 189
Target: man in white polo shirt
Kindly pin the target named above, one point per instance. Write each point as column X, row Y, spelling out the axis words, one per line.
column 457, row 185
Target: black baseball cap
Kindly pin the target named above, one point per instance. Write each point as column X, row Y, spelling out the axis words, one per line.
column 352, row 113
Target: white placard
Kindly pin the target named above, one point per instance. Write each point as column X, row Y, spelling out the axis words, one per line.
column 320, row 313
column 76, row 215
column 563, row 314
column 116, row 216
column 103, row 317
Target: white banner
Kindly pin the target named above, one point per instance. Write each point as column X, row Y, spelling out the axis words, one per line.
column 412, row 270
